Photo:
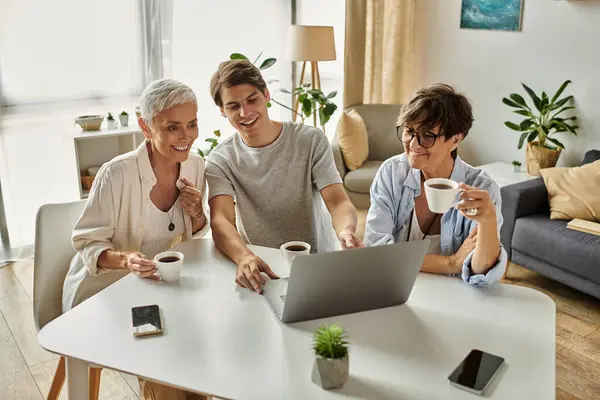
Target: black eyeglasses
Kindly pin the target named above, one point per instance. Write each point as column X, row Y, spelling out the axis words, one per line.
column 425, row 139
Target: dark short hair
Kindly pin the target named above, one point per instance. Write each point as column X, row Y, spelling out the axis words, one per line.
column 440, row 105
column 232, row 73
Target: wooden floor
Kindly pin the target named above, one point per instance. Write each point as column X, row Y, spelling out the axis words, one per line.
column 26, row 369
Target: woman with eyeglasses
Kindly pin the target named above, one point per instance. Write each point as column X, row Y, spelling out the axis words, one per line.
column 463, row 240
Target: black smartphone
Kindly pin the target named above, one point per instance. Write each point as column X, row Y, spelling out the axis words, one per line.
column 476, row 371
column 146, row 320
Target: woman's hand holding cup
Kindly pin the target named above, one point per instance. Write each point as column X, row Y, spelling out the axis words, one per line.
column 140, row 266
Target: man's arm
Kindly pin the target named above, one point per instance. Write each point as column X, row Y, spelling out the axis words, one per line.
column 343, row 215
column 229, row 241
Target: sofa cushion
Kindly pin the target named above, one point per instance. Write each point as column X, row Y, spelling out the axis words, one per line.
column 380, row 120
column 360, row 180
column 574, row 192
column 552, row 242
column 353, row 139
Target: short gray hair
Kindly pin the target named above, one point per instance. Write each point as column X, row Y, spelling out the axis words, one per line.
column 162, row 94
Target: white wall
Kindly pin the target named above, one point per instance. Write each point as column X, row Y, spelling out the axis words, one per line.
column 559, row 40
column 328, row 13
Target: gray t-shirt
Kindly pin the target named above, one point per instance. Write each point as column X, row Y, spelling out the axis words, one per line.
column 277, row 187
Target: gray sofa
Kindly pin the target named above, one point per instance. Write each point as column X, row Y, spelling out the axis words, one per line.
column 547, row 246
column 380, row 120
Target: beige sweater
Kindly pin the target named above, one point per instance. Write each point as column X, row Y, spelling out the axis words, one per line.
column 116, row 216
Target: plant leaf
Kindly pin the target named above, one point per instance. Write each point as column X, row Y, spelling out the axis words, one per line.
column 257, row 58
column 238, row 56
column 532, row 135
column 517, row 98
column 322, row 117
column 200, row 153
column 561, row 110
column 560, row 90
column 525, row 124
column 556, row 142
column 217, row 133
column 332, row 95
column 510, row 103
column 562, row 102
column 536, row 100
column 523, row 112
column 512, row 126
column 522, row 139
column 330, row 109
column 307, row 107
column 268, row 63
column 211, row 140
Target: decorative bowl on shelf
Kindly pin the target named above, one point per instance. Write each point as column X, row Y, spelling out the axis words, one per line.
column 90, row 122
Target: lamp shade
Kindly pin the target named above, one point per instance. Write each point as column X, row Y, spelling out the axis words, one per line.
column 311, row 43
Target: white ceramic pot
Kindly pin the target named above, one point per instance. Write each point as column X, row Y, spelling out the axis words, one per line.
column 124, row 119
column 331, row 373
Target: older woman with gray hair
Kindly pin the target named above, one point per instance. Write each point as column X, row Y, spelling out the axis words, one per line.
column 142, row 203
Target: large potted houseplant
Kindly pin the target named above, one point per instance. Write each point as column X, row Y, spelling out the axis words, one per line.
column 541, row 123
column 332, row 363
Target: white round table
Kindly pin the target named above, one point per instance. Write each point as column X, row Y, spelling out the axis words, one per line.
column 225, row 341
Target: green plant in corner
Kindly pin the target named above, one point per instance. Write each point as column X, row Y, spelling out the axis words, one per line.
column 330, row 341
column 542, row 121
column 110, row 117
column 516, row 163
column 124, row 113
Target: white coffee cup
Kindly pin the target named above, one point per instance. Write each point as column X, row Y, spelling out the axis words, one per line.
column 289, row 253
column 169, row 271
column 440, row 199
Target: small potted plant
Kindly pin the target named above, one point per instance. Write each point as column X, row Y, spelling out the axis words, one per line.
column 332, row 363
column 516, row 166
column 111, row 122
column 124, row 118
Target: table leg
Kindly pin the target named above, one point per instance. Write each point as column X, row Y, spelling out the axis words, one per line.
column 77, row 379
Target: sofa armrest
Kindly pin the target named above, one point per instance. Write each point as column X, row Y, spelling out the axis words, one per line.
column 519, row 200
column 337, row 157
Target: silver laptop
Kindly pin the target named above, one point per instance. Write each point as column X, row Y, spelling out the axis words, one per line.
column 342, row 282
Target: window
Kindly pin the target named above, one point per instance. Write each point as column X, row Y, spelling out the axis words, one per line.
column 69, row 49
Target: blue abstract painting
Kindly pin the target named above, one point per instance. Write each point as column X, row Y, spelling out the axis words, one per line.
column 503, row 15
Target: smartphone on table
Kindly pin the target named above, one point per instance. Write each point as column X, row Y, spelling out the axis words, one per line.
column 476, row 371
column 146, row 320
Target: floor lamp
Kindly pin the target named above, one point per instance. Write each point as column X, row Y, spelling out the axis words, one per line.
column 310, row 44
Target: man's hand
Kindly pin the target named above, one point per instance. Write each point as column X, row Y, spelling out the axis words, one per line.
column 458, row 259
column 349, row 240
column 248, row 272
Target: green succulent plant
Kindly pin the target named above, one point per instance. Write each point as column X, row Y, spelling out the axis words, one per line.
column 330, row 341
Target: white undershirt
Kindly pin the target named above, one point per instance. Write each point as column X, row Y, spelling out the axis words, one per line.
column 415, row 234
column 157, row 237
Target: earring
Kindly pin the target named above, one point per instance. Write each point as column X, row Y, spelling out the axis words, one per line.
column 223, row 115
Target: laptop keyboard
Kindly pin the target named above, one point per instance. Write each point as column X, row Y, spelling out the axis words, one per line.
column 283, row 296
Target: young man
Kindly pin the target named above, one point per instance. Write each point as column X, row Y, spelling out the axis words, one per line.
column 275, row 174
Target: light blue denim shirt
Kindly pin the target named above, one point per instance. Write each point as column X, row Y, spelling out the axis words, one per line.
column 393, row 199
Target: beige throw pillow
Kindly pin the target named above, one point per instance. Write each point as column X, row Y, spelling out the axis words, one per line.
column 574, row 192
column 353, row 139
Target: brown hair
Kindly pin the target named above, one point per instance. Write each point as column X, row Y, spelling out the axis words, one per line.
column 440, row 105
column 232, row 73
